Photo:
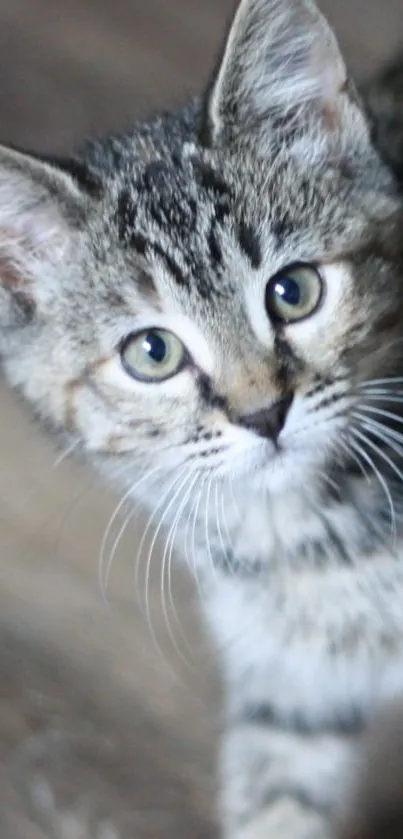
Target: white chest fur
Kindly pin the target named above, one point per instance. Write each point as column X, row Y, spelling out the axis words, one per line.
column 322, row 640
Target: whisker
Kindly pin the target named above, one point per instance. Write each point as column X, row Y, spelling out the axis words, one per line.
column 194, row 564
column 385, row 381
column 384, row 396
column 224, row 546
column 166, row 565
column 228, row 536
column 103, row 578
column 369, row 409
column 388, row 435
column 66, row 454
column 330, row 481
column 381, row 453
column 377, row 472
column 160, row 505
column 207, row 527
column 234, row 499
column 132, row 512
column 351, row 453
column 157, row 531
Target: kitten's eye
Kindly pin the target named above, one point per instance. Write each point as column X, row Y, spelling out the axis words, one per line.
column 153, row 355
column 294, row 294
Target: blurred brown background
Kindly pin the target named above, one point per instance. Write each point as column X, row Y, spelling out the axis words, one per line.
column 102, row 734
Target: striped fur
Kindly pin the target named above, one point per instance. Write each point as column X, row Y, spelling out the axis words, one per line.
column 274, row 454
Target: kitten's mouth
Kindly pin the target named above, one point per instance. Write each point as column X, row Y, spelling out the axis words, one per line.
column 268, row 467
column 245, row 462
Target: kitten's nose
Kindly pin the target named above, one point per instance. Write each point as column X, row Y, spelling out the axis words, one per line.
column 268, row 422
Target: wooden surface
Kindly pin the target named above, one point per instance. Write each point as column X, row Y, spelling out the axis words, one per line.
column 106, row 730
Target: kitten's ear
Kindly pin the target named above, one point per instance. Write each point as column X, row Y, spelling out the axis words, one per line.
column 281, row 68
column 42, row 203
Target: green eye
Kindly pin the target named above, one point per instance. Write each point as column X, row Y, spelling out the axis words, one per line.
column 153, row 355
column 294, row 294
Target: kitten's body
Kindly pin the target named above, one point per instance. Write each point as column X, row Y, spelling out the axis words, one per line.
column 256, row 453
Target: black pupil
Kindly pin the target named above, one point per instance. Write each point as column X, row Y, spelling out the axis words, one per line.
column 155, row 347
column 289, row 290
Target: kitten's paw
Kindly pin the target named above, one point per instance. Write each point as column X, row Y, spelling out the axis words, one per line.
column 284, row 819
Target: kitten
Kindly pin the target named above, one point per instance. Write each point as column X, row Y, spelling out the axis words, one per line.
column 213, row 306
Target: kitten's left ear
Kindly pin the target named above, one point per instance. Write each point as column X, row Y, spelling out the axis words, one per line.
column 43, row 203
column 281, row 71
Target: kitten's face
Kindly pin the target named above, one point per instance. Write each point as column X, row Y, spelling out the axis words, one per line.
column 215, row 310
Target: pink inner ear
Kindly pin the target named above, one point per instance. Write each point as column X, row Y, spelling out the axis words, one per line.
column 14, row 281
column 15, row 250
column 9, row 276
column 31, row 240
column 11, row 247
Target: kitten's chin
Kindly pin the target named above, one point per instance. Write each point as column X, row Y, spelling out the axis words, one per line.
column 279, row 471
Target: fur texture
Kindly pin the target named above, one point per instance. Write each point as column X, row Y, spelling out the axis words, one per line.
column 213, row 307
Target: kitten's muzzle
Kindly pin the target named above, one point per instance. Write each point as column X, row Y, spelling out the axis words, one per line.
column 268, row 422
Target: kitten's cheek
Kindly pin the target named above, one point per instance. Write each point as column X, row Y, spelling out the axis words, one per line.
column 94, row 427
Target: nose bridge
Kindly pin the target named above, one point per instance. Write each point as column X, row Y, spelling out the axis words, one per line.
column 255, row 398
column 270, row 421
column 249, row 385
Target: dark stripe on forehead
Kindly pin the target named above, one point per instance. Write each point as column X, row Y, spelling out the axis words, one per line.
column 143, row 246
column 211, row 180
column 125, row 216
column 214, row 245
column 174, row 269
column 250, row 244
column 168, row 191
column 217, row 189
column 139, row 243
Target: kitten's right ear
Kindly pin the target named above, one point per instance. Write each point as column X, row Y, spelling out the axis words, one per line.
column 42, row 204
column 281, row 71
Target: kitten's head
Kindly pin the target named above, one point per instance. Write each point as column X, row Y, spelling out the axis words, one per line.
column 212, row 301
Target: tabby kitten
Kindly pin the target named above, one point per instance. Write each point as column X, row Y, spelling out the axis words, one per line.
column 213, row 306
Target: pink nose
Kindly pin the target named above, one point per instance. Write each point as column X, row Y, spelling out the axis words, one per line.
column 268, row 422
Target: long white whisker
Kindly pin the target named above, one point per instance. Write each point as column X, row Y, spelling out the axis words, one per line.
column 330, row 481
column 224, row 545
column 384, row 396
column 207, row 527
column 103, row 579
column 66, row 454
column 132, row 512
column 386, row 381
column 156, row 510
column 398, row 472
column 233, row 496
column 157, row 531
column 166, row 565
column 394, row 441
column 350, row 453
column 369, row 409
column 379, row 475
column 225, row 522
column 193, row 540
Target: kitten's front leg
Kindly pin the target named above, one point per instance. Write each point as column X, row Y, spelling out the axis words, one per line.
column 281, row 784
